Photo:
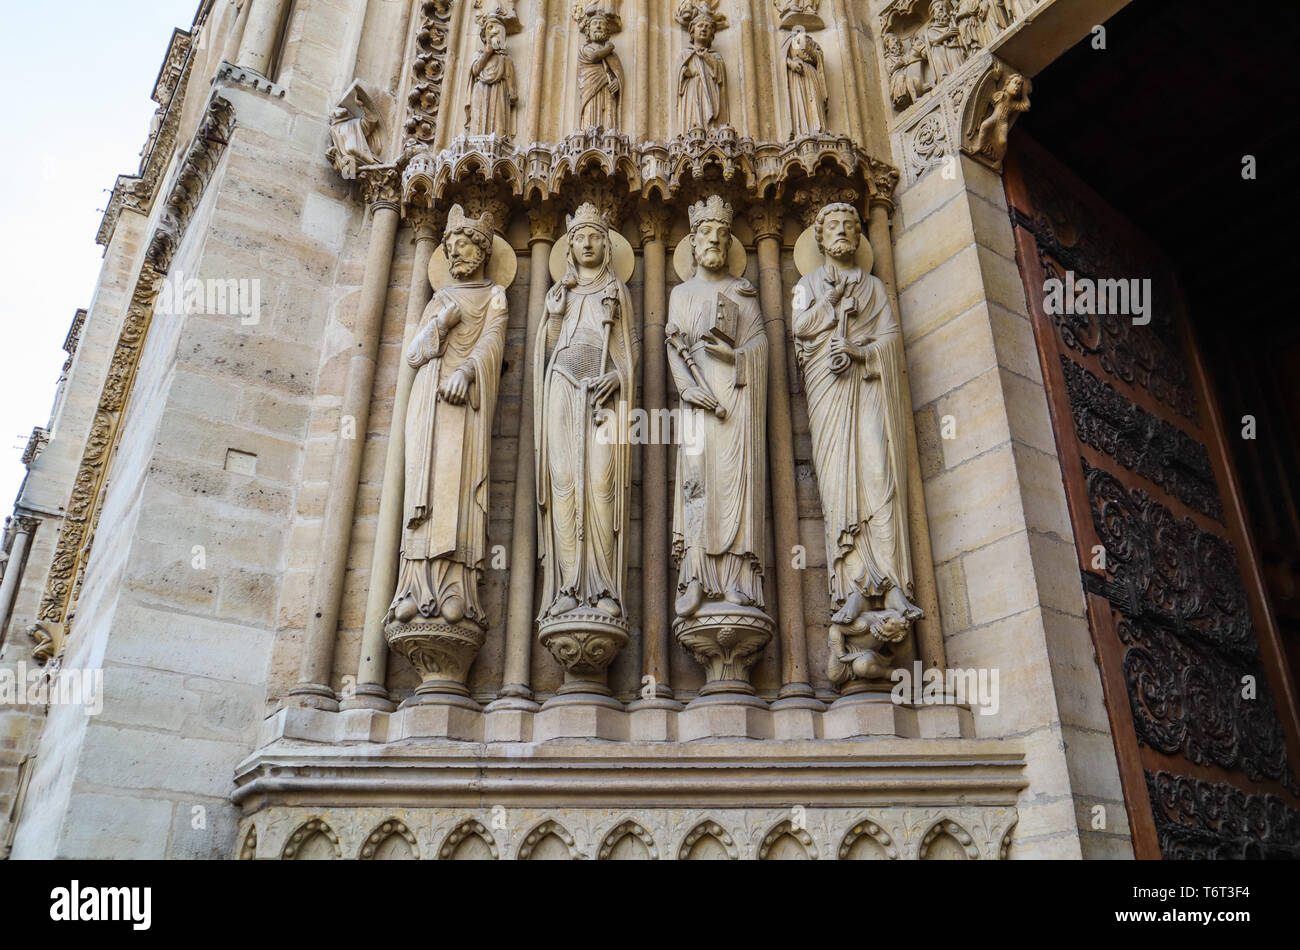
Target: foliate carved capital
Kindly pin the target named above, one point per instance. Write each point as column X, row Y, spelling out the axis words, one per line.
column 23, row 524
column 812, row 198
column 479, row 198
column 424, row 222
column 653, row 220
column 766, row 219
column 882, row 180
column 381, row 186
column 542, row 224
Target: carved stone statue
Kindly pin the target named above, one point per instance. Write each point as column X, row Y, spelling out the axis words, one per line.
column 942, row 40
column 492, row 90
column 600, row 71
column 966, row 15
column 993, row 20
column 717, row 352
column 806, row 80
column 999, row 110
column 1018, row 8
column 436, row 619
column 357, row 129
column 702, row 75
column 585, row 361
column 906, row 70
column 849, row 348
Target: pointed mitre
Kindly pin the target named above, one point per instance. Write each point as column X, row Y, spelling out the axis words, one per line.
column 711, row 209
column 587, row 215
column 458, row 220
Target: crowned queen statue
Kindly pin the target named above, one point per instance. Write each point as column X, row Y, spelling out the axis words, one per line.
column 585, row 377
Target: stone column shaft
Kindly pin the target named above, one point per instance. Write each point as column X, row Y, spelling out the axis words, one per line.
column 929, row 633
column 23, row 530
column 261, row 31
column 372, row 666
column 315, row 672
column 655, row 478
column 795, row 681
column 517, row 679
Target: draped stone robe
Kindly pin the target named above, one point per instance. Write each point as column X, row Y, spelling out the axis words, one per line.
column 807, row 88
column 858, row 432
column 598, row 65
column 583, row 454
column 701, row 89
column 720, row 498
column 444, row 510
column 492, row 92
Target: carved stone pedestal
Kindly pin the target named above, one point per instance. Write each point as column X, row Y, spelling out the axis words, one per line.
column 860, row 664
column 585, row 643
column 441, row 652
column 725, row 639
column 870, row 711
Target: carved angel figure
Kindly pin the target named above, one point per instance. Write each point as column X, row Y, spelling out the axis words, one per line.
column 1004, row 106
column 356, row 129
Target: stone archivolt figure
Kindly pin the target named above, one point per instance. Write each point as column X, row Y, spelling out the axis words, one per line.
column 966, row 15
column 806, row 81
column 584, row 358
column 600, row 71
column 993, row 20
column 717, row 352
column 492, row 90
column 457, row 352
column 1018, row 8
column 702, row 75
column 356, row 129
column 906, row 70
column 850, row 351
column 943, row 41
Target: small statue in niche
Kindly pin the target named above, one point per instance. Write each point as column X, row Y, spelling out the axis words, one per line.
column 600, row 71
column 850, row 351
column 993, row 20
column 702, row 75
column 357, row 129
column 943, row 41
column 1005, row 106
column 493, row 93
column 906, row 70
column 806, row 80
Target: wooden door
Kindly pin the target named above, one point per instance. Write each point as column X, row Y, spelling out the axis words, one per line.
column 1201, row 704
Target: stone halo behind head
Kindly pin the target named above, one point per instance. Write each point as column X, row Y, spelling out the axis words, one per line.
column 501, row 266
column 623, row 259
column 684, row 261
column 808, row 256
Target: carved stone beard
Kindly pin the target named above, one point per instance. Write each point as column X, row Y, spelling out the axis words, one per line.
column 841, row 251
column 712, row 258
column 464, row 268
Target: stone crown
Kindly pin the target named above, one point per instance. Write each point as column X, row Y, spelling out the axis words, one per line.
column 458, row 220
column 712, row 209
column 586, row 215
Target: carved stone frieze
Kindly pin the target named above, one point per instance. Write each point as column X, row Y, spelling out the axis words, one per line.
column 702, row 159
column 962, row 832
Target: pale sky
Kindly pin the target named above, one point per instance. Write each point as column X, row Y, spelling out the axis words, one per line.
column 78, row 74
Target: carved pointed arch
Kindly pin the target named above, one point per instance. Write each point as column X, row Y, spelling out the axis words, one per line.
column 313, row 841
column 873, row 832
column 708, row 829
column 373, row 845
column 547, row 829
column 947, row 827
column 456, row 837
column 786, row 829
column 621, row 831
